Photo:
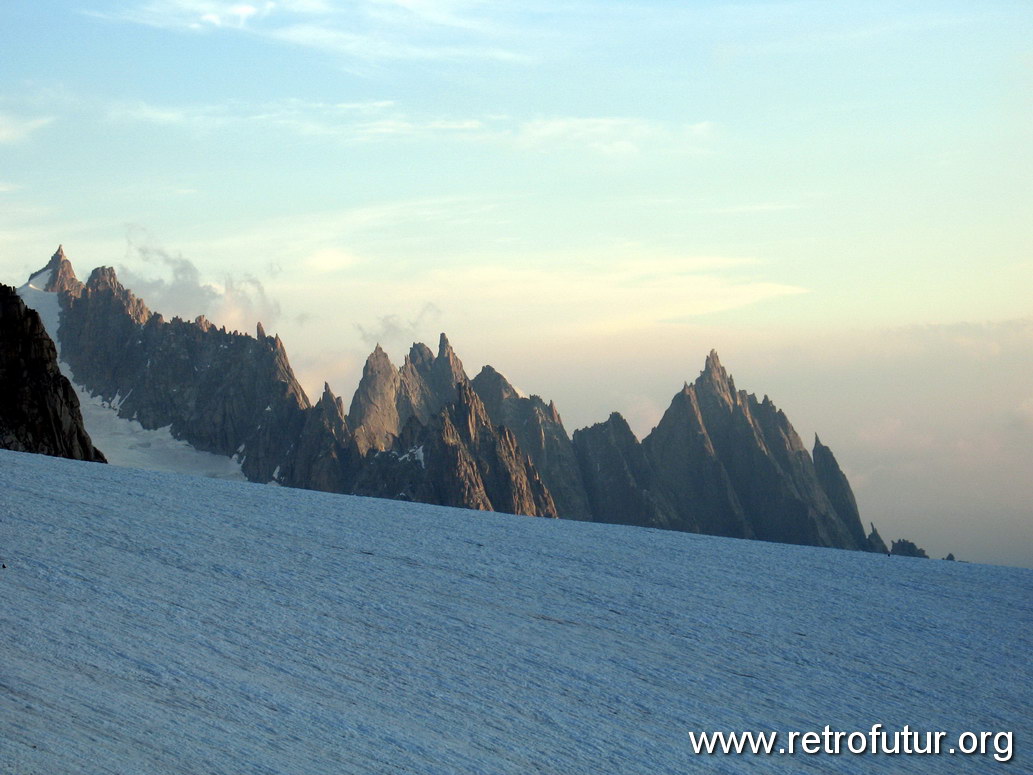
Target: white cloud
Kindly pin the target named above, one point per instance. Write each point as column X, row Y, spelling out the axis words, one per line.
column 172, row 284
column 14, row 129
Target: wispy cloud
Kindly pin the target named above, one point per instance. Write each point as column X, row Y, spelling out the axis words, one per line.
column 371, row 30
column 14, row 129
column 385, row 120
column 394, row 330
column 171, row 283
column 587, row 295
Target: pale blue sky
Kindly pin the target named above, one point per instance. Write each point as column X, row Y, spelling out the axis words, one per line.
column 588, row 195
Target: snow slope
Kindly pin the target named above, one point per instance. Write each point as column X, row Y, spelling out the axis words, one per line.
column 154, row 623
column 125, row 442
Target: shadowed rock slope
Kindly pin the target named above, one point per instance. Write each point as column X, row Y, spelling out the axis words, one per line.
column 721, row 462
column 39, row 411
column 540, row 433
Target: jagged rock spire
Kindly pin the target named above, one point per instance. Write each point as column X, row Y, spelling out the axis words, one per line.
column 57, row 275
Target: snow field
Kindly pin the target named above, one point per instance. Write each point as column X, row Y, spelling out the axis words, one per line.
column 155, row 623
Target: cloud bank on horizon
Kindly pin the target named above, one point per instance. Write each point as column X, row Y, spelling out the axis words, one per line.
column 587, row 195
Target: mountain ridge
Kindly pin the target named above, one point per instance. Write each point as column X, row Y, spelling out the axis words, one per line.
column 720, row 461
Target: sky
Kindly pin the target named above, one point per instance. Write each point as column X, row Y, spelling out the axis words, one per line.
column 587, row 195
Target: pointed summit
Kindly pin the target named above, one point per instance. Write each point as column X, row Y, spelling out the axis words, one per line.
column 374, row 411
column 715, row 380
column 57, row 275
column 446, row 371
column 260, row 332
column 493, row 388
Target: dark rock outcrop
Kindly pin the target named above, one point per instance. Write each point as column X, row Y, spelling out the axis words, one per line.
column 875, row 542
column 620, row 481
column 906, row 548
column 540, row 433
column 720, row 462
column 322, row 456
column 39, row 411
column 835, row 484
column 691, row 474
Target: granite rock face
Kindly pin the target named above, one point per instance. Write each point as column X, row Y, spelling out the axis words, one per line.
column 59, row 274
column 458, row 458
column 690, row 472
column 388, row 397
column 720, row 462
column 834, row 482
column 323, row 453
column 223, row 392
column 539, row 431
column 620, row 481
column 749, row 474
column 39, row 410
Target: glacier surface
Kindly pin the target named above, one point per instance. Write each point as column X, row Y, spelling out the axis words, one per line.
column 158, row 623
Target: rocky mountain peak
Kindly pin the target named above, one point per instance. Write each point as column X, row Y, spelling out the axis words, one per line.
column 374, row 411
column 103, row 277
column 834, row 482
column 447, row 363
column 420, row 356
column 492, row 387
column 331, row 405
column 59, row 274
column 446, row 372
column 103, row 283
column 554, row 413
column 540, row 434
column 469, row 411
column 875, row 542
column 714, row 380
column 260, row 332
